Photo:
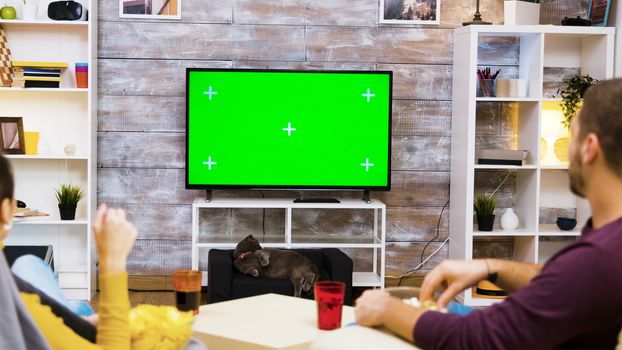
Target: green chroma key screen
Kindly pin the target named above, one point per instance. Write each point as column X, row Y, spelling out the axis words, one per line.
column 288, row 129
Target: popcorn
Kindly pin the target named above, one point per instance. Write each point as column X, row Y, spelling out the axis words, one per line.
column 428, row 304
column 159, row 327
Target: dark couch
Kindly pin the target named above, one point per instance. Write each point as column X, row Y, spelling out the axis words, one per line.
column 225, row 282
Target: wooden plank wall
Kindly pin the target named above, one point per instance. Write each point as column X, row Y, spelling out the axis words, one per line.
column 141, row 117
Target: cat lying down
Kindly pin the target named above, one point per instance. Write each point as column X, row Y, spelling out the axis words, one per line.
column 251, row 259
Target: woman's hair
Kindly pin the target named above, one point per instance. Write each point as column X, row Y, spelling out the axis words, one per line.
column 6, row 179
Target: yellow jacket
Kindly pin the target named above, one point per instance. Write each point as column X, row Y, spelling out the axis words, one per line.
column 113, row 330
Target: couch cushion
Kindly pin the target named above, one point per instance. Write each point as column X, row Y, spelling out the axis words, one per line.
column 247, row 286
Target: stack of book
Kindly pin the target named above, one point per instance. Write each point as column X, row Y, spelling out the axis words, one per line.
column 22, row 214
column 37, row 74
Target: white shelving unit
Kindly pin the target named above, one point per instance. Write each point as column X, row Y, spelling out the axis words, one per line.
column 375, row 241
column 67, row 115
column 537, row 185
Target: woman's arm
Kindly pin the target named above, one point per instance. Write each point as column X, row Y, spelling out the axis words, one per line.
column 114, row 237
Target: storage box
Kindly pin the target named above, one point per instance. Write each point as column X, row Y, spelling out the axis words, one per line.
column 521, row 12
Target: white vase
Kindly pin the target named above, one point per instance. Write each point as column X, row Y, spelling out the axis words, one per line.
column 509, row 220
column 29, row 12
column 521, row 13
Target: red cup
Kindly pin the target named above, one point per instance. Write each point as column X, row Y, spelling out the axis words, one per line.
column 329, row 298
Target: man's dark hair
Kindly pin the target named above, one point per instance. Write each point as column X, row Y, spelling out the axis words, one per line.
column 6, row 179
column 601, row 114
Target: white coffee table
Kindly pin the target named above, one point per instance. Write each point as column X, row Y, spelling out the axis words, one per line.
column 269, row 321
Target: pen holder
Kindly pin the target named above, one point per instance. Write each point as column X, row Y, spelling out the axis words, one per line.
column 486, row 88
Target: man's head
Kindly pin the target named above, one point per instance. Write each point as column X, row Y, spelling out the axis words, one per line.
column 596, row 141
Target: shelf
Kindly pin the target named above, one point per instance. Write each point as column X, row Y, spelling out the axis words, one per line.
column 551, row 230
column 50, row 221
column 521, row 232
column 45, row 157
column 506, row 99
column 554, row 167
column 56, row 90
column 44, row 22
column 505, row 167
column 505, row 30
column 288, row 239
column 72, row 269
column 366, row 279
column 538, row 189
column 73, row 285
column 66, row 115
column 285, row 203
column 295, row 245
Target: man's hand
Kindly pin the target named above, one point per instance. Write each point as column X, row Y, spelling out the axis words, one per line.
column 114, row 236
column 452, row 276
column 370, row 308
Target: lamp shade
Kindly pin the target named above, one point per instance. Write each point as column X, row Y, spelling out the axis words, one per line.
column 552, row 124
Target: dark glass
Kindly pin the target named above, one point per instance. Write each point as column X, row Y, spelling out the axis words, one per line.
column 188, row 301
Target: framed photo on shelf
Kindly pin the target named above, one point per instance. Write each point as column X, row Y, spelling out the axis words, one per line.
column 150, row 9
column 12, row 135
column 598, row 12
column 410, row 12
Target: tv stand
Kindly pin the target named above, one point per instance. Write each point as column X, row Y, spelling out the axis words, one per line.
column 208, row 195
column 296, row 233
column 316, row 200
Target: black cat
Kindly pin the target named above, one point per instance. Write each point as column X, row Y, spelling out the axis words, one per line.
column 252, row 260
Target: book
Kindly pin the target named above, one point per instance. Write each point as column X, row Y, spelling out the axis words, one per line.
column 28, row 78
column 28, row 70
column 23, row 212
column 41, row 84
column 33, row 217
column 35, row 64
column 39, row 70
column 22, row 74
column 501, row 156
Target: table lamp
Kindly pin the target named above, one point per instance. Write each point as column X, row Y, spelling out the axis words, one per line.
column 552, row 130
column 477, row 18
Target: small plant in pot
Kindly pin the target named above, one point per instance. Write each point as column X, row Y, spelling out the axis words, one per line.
column 484, row 207
column 68, row 196
column 572, row 95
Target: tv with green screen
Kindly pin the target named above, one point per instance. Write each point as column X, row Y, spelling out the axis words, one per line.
column 278, row 129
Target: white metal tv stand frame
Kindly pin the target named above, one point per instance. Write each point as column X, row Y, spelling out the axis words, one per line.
column 375, row 241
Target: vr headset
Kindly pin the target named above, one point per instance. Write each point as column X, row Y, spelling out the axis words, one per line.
column 68, row 10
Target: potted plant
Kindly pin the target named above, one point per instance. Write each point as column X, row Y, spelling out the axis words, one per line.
column 68, row 196
column 484, row 207
column 521, row 12
column 572, row 95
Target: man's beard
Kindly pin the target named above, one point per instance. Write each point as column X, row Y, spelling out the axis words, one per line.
column 575, row 173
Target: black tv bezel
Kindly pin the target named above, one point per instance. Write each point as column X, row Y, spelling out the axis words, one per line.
column 289, row 187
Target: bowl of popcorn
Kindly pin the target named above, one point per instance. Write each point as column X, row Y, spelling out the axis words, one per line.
column 410, row 295
column 159, row 327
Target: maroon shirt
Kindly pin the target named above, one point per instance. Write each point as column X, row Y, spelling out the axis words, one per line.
column 574, row 303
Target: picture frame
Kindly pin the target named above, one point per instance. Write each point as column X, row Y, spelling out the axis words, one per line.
column 410, row 12
column 150, row 9
column 598, row 12
column 12, row 135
